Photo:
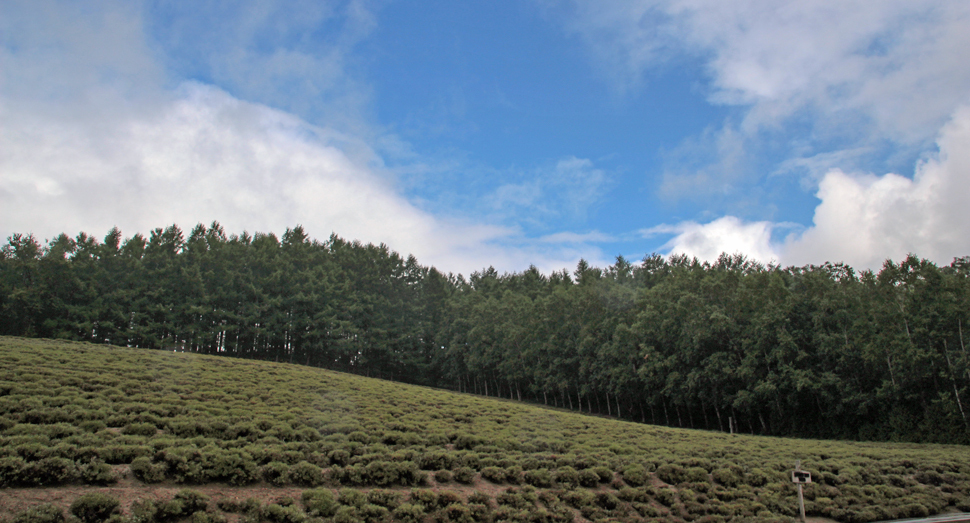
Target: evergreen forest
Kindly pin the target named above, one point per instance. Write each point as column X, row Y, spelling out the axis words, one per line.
column 817, row 351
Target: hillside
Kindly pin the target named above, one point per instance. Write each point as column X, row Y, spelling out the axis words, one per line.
column 141, row 425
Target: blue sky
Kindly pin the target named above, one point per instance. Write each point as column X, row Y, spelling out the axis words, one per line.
column 498, row 133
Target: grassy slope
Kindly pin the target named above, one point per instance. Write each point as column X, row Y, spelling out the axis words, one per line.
column 196, row 419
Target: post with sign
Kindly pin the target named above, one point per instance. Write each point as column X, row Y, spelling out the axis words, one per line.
column 800, row 477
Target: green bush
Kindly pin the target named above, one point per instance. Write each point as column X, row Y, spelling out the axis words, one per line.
column 306, row 474
column 385, row 498
column 566, row 477
column 671, row 474
column 436, row 461
column 728, row 477
column 94, row 507
column 149, row 472
column 443, row 476
column 276, row 473
column 50, row 471
column 97, row 473
column 635, row 475
column 45, row 513
column 696, row 475
column 464, row 475
column 409, row 513
column 276, row 513
column 538, row 478
column 494, row 474
column 11, row 471
column 351, row 497
column 192, row 501
column 319, row 503
column 605, row 474
column 139, row 429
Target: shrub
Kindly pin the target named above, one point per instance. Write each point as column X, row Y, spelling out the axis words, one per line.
column 436, row 461
column 602, row 475
column 373, row 513
column 319, row 503
column 480, row 498
column 306, row 474
column 347, row 514
column 671, row 474
column 607, row 501
column 11, row 471
column 447, row 497
column 192, row 501
column 94, row 507
column 513, row 474
column 464, row 475
column 697, row 475
column 567, row 477
column 539, row 478
column 384, row 498
column 409, row 513
column 756, row 478
column 635, row 475
column 50, row 471
column 277, row 513
column 493, row 474
column 149, row 472
column 46, row 513
column 443, row 476
column 727, row 477
column 275, row 472
column 458, row 513
column 139, row 429
column 514, row 498
column 98, row 473
column 351, row 497
column 425, row 498
column 339, row 457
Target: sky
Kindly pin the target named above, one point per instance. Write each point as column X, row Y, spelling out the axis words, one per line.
column 495, row 133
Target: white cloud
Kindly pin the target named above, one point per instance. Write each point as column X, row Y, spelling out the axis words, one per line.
column 862, row 219
column 723, row 235
column 899, row 63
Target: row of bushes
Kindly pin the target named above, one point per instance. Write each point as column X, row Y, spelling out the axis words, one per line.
column 16, row 472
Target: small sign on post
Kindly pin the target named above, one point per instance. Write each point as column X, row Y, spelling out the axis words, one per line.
column 800, row 477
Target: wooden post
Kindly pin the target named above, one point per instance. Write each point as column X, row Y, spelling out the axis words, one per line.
column 801, row 497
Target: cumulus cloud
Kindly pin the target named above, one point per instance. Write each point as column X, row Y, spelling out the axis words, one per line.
column 862, row 219
column 725, row 235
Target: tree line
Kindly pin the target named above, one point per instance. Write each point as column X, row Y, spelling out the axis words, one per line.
column 816, row 351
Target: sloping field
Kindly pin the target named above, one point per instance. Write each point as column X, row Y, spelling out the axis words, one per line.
column 174, row 435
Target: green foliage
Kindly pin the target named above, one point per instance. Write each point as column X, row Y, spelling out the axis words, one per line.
column 149, row 472
column 319, row 503
column 671, row 473
column 464, row 475
column 306, row 474
column 635, row 475
column 45, row 513
column 94, row 507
